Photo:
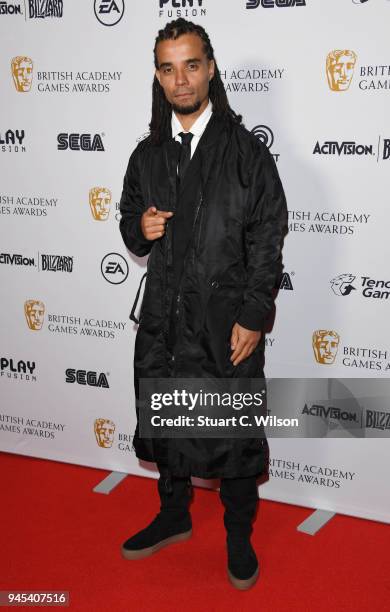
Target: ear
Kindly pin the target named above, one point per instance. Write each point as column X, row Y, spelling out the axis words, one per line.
column 211, row 69
column 157, row 75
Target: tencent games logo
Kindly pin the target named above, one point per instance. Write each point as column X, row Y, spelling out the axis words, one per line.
column 342, row 284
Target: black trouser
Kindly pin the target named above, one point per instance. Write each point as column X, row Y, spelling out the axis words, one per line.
column 238, row 495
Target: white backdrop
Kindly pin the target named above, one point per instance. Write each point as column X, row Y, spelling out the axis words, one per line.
column 82, row 73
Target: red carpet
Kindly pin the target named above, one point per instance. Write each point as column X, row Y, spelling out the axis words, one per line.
column 59, row 535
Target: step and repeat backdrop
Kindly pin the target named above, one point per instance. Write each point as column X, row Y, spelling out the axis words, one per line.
column 312, row 80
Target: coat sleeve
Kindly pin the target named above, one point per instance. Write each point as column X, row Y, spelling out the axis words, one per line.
column 131, row 207
column 266, row 225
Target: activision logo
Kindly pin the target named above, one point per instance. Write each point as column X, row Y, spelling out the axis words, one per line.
column 350, row 147
column 52, row 263
column 10, row 8
column 330, row 412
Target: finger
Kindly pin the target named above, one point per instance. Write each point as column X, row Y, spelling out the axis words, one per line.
column 165, row 213
column 154, row 235
column 240, row 346
column 152, row 225
column 241, row 356
column 151, row 211
column 156, row 219
column 234, row 337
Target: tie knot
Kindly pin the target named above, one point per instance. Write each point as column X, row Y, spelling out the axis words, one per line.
column 186, row 137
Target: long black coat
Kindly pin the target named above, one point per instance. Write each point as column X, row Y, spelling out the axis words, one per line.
column 231, row 267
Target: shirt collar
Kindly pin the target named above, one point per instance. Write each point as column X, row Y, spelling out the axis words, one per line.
column 197, row 127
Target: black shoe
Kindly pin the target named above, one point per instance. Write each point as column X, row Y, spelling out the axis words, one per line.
column 243, row 568
column 159, row 533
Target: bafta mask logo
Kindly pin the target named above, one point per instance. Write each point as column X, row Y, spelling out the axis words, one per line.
column 339, row 69
column 341, row 285
column 104, row 432
column 22, row 72
column 35, row 312
column 325, row 345
column 99, row 201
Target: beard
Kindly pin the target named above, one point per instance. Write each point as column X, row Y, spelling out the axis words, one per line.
column 187, row 110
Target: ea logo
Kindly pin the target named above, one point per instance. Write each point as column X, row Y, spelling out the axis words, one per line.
column 264, row 133
column 114, row 268
column 109, row 12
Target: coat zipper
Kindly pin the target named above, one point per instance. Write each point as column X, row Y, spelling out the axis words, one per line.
column 197, row 242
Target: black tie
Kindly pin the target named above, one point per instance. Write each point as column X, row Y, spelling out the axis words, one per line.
column 185, row 153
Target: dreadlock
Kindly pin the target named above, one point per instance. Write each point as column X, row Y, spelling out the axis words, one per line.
column 161, row 108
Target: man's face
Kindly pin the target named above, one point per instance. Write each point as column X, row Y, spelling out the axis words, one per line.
column 184, row 73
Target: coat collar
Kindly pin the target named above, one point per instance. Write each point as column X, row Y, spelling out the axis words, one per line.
column 206, row 149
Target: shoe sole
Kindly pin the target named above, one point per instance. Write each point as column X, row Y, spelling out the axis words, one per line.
column 146, row 552
column 243, row 585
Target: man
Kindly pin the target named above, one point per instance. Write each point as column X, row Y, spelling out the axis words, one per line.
column 202, row 195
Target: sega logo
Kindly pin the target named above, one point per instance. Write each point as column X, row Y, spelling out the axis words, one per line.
column 79, row 142
column 84, row 377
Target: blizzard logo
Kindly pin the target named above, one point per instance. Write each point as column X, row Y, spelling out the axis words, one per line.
column 377, row 420
column 57, row 263
column 39, row 9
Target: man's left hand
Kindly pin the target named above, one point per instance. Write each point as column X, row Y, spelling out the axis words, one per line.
column 243, row 342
